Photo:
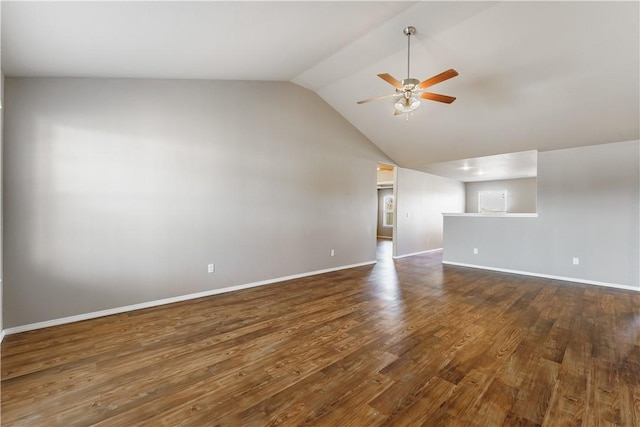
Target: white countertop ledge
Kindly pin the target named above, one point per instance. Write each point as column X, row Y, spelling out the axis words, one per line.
column 494, row 215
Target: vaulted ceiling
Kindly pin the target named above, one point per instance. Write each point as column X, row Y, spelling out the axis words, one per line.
column 533, row 75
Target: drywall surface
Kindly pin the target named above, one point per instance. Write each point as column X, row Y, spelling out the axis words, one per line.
column 382, row 230
column 421, row 198
column 588, row 208
column 122, row 191
column 1, row 199
column 521, row 194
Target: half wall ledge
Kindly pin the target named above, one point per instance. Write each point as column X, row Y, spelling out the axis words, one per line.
column 495, row 215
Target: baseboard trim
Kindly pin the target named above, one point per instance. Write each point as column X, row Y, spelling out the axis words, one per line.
column 417, row 253
column 149, row 304
column 546, row 276
column 384, row 237
column 1, row 336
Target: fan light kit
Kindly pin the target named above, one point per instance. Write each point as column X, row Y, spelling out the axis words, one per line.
column 408, row 90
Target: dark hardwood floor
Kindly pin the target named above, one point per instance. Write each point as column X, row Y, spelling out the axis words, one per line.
column 403, row 343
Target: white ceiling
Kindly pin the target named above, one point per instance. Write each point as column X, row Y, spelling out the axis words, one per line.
column 533, row 75
column 233, row 40
column 489, row 168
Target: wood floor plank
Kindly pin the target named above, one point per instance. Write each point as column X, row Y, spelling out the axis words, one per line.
column 536, row 390
column 426, row 402
column 494, row 406
column 405, row 342
column 568, row 402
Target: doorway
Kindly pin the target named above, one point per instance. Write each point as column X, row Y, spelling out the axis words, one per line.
column 386, row 211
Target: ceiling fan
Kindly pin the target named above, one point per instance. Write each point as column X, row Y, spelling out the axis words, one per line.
column 408, row 89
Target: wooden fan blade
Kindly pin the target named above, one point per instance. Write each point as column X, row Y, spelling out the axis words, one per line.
column 391, row 80
column 377, row 97
column 437, row 97
column 445, row 75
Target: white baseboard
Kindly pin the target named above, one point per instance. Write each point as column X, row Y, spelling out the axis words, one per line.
column 384, row 237
column 1, row 336
column 118, row 310
column 417, row 253
column 546, row 276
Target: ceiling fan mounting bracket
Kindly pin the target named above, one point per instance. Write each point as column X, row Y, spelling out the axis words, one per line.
column 409, row 31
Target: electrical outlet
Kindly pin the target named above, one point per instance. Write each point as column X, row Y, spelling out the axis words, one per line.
column 333, row 252
column 211, row 268
column 475, row 251
column 576, row 261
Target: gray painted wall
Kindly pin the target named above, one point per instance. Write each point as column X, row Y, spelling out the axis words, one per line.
column 121, row 191
column 588, row 207
column 383, row 231
column 421, row 199
column 1, row 197
column 521, row 194
column 1, row 149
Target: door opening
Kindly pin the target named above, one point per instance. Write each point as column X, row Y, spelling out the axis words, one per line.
column 386, row 210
